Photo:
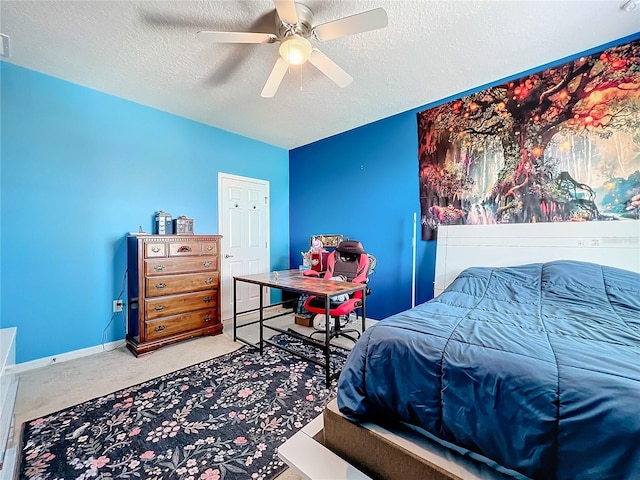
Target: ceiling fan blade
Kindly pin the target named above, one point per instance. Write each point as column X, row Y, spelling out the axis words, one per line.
column 330, row 68
column 275, row 78
column 287, row 11
column 236, row 37
column 358, row 23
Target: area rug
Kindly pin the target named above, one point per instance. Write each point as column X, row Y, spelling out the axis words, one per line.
column 218, row 420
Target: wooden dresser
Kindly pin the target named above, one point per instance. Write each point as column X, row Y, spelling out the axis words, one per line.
column 174, row 289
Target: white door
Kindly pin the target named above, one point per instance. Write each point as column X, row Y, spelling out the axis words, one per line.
column 243, row 218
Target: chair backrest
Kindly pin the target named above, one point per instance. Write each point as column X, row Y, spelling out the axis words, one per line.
column 348, row 259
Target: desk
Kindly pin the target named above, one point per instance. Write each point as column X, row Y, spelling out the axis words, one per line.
column 294, row 281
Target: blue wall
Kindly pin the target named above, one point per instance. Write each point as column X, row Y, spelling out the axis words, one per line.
column 80, row 169
column 364, row 184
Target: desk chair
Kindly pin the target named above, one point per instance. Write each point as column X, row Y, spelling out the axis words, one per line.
column 350, row 261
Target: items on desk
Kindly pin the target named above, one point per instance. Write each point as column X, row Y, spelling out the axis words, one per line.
column 317, row 255
column 329, row 240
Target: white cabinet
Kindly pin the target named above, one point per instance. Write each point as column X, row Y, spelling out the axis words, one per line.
column 8, row 392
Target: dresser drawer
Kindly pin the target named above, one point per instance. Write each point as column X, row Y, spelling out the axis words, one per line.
column 155, row 250
column 184, row 249
column 183, row 265
column 190, row 282
column 174, row 304
column 167, row 326
column 209, row 248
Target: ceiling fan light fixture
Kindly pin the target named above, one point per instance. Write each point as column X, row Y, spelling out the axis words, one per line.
column 295, row 49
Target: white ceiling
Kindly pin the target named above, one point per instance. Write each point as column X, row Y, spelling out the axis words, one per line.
column 147, row 52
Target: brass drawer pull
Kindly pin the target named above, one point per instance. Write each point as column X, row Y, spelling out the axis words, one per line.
column 207, row 318
column 159, row 268
column 161, row 285
column 159, row 328
column 206, row 299
column 208, row 281
column 207, row 263
column 209, row 247
column 185, row 248
column 155, row 249
column 159, row 308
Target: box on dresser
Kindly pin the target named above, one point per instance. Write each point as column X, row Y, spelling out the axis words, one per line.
column 174, row 289
column 163, row 224
column 183, row 225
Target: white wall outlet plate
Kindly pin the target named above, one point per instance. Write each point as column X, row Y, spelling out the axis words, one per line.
column 118, row 305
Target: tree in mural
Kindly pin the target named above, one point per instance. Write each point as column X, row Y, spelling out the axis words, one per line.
column 510, row 127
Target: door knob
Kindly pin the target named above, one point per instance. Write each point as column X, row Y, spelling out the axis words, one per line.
column 226, row 255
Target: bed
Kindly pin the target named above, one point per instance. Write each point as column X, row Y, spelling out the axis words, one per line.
column 488, row 409
column 533, row 369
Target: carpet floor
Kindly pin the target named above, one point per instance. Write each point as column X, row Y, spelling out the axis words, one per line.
column 219, row 419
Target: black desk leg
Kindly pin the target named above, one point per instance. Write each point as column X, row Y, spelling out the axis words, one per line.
column 327, row 340
column 261, row 318
column 235, row 310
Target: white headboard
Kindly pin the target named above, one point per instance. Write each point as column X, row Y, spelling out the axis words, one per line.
column 613, row 243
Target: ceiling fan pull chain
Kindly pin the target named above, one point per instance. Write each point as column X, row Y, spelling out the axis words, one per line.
column 301, row 79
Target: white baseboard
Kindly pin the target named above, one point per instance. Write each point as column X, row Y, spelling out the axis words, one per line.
column 19, row 368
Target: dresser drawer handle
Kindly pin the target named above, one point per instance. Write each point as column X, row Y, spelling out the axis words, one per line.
column 161, row 285
column 159, row 308
column 208, row 281
column 206, row 299
column 159, row 328
column 207, row 318
column 184, row 249
column 159, row 268
column 207, row 263
column 209, row 247
column 155, row 249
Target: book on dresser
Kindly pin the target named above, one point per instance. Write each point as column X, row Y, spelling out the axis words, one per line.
column 174, row 289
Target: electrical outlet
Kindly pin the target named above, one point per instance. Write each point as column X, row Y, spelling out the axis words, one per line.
column 118, row 305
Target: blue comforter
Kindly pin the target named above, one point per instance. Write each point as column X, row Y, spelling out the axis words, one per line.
column 535, row 367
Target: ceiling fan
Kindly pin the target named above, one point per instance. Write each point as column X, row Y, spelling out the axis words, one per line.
column 294, row 23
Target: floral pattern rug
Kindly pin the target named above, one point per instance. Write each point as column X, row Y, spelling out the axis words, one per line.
column 218, row 420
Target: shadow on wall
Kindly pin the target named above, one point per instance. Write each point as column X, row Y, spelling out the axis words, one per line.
column 426, row 266
column 116, row 328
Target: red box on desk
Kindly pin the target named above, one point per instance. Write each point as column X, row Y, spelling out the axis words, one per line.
column 319, row 261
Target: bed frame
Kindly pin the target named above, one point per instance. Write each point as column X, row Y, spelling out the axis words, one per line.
column 614, row 243
column 333, row 447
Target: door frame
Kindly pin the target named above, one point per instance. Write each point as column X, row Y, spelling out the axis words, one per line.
column 265, row 183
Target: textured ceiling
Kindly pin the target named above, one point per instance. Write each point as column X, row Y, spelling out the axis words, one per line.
column 147, row 52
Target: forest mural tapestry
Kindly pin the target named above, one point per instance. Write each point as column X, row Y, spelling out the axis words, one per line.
column 559, row 145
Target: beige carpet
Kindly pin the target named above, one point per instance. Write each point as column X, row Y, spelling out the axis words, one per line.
column 61, row 385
